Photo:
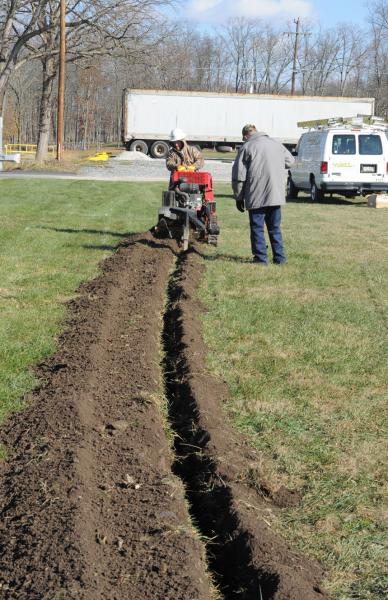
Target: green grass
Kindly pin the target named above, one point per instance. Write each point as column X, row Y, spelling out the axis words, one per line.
column 303, row 348
column 53, row 235
column 208, row 153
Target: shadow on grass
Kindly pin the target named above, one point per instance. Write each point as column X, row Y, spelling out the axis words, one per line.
column 111, row 247
column 336, row 201
column 224, row 196
column 221, row 257
column 106, row 247
column 91, row 231
column 146, row 242
column 227, row 258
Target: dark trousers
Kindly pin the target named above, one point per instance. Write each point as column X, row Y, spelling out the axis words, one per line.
column 271, row 216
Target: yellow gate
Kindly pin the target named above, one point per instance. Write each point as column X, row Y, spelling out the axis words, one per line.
column 24, row 149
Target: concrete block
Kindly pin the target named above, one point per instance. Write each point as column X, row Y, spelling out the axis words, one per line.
column 378, row 201
column 16, row 158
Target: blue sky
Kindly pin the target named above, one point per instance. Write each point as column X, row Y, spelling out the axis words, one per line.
column 327, row 12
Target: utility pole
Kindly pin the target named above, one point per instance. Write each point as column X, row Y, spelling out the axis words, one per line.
column 296, row 48
column 61, row 80
column 297, row 35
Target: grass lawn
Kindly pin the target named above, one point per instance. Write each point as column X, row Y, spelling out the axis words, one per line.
column 208, row 153
column 304, row 350
column 302, row 347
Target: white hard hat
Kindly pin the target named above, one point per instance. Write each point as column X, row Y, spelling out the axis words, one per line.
column 177, row 135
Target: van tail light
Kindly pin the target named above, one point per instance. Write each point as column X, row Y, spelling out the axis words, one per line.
column 387, row 167
column 324, row 166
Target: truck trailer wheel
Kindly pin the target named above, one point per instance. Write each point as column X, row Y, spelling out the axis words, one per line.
column 224, row 149
column 139, row 146
column 159, row 149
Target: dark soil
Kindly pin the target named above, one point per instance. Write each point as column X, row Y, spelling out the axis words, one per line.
column 92, row 502
column 89, row 505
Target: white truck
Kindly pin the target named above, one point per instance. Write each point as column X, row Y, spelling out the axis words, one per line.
column 215, row 120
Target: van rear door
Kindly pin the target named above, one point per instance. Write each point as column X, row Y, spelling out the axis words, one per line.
column 372, row 159
column 342, row 155
column 358, row 157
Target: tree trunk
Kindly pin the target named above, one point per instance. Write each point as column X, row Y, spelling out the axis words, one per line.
column 49, row 72
column 2, row 102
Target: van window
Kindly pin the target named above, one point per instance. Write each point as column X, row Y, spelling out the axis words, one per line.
column 370, row 144
column 344, row 144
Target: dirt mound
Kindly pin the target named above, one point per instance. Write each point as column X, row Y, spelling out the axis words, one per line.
column 92, row 501
column 89, row 505
column 130, row 155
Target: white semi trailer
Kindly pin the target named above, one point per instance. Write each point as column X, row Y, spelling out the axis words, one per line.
column 216, row 120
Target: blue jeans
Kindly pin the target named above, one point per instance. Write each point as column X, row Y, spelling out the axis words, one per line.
column 271, row 216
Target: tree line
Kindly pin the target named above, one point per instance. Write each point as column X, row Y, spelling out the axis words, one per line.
column 117, row 44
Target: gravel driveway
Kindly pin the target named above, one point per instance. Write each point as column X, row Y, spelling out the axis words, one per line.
column 149, row 170
column 114, row 170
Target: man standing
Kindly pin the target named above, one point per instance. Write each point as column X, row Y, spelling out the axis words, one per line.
column 181, row 155
column 258, row 181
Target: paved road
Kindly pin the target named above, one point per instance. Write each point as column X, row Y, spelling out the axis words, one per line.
column 148, row 170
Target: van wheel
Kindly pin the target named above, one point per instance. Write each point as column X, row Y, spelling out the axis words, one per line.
column 316, row 194
column 292, row 190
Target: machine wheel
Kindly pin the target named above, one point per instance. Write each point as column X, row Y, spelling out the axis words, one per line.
column 292, row 190
column 139, row 146
column 186, row 234
column 316, row 194
column 159, row 149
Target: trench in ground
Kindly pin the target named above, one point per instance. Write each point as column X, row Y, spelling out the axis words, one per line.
column 209, row 498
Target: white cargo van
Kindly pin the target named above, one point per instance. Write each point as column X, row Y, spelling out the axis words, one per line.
column 340, row 158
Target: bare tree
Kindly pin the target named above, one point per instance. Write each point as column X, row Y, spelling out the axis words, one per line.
column 126, row 28
column 238, row 37
column 351, row 52
column 19, row 25
column 23, row 102
column 378, row 55
column 271, row 58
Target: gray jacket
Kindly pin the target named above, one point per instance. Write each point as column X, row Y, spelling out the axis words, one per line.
column 258, row 174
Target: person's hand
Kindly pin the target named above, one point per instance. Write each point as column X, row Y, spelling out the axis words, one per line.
column 181, row 168
column 240, row 205
column 191, row 168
